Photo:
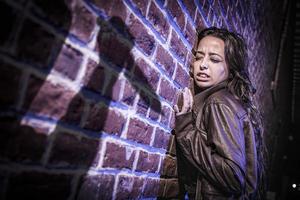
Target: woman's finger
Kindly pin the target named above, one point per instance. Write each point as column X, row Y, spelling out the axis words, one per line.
column 176, row 110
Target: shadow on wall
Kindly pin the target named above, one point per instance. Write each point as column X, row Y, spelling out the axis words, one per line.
column 37, row 162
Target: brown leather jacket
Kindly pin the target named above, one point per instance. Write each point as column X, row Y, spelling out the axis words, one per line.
column 216, row 148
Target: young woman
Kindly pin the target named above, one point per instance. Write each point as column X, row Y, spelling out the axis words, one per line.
column 220, row 147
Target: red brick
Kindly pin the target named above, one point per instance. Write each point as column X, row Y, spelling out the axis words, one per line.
column 94, row 187
column 172, row 120
column 21, row 142
column 143, row 103
column 94, row 76
column 206, row 7
column 118, row 156
column 71, row 150
column 190, row 33
column 139, row 131
column 129, row 94
column 147, row 162
column 68, row 62
column 129, row 187
column 153, row 188
column 164, row 59
column 75, row 110
column 191, row 7
column 172, row 188
column 189, row 59
column 176, row 13
column 155, row 109
column 83, row 22
column 107, row 43
column 199, row 21
column 165, row 115
column 39, row 185
column 9, row 85
column 158, row 20
column 167, row 91
column 169, row 167
column 161, row 139
column 114, row 123
column 100, row 118
column 115, row 8
column 143, row 40
column 178, row 47
column 182, row 77
column 34, row 44
column 146, row 74
column 172, row 146
column 141, row 5
column 41, row 93
column 113, row 89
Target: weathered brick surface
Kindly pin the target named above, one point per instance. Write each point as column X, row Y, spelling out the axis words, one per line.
column 118, row 156
column 153, row 188
column 93, row 71
column 178, row 47
column 129, row 94
column 161, row 139
column 182, row 76
column 142, row 6
column 167, row 91
column 142, row 39
column 147, row 162
column 158, row 20
column 68, row 56
column 171, row 189
column 190, row 5
column 146, row 74
column 129, row 187
column 83, row 22
column 164, row 59
column 176, row 13
column 95, row 77
column 101, row 118
column 41, row 93
column 95, row 187
column 165, row 115
column 71, row 150
column 139, row 131
column 168, row 167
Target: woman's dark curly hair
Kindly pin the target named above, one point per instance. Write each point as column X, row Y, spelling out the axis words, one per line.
column 239, row 84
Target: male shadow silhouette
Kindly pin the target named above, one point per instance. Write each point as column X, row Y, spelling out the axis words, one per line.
column 114, row 44
column 39, row 163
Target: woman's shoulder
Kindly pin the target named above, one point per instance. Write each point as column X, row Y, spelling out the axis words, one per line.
column 225, row 98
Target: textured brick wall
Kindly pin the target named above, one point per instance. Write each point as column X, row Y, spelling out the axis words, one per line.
column 87, row 89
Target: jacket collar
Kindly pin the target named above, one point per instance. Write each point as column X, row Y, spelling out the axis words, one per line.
column 200, row 98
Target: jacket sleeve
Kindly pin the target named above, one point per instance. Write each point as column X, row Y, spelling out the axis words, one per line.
column 219, row 151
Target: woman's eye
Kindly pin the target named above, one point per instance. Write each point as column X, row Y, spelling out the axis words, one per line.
column 198, row 58
column 215, row 60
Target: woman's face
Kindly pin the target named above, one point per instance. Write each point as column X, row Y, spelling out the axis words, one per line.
column 209, row 67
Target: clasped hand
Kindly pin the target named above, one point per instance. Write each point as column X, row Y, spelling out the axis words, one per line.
column 184, row 103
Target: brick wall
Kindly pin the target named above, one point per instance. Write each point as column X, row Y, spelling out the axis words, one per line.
column 87, row 89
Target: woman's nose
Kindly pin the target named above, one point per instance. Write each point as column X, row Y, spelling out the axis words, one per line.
column 203, row 65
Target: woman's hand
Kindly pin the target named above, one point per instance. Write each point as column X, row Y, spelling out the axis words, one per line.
column 184, row 102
